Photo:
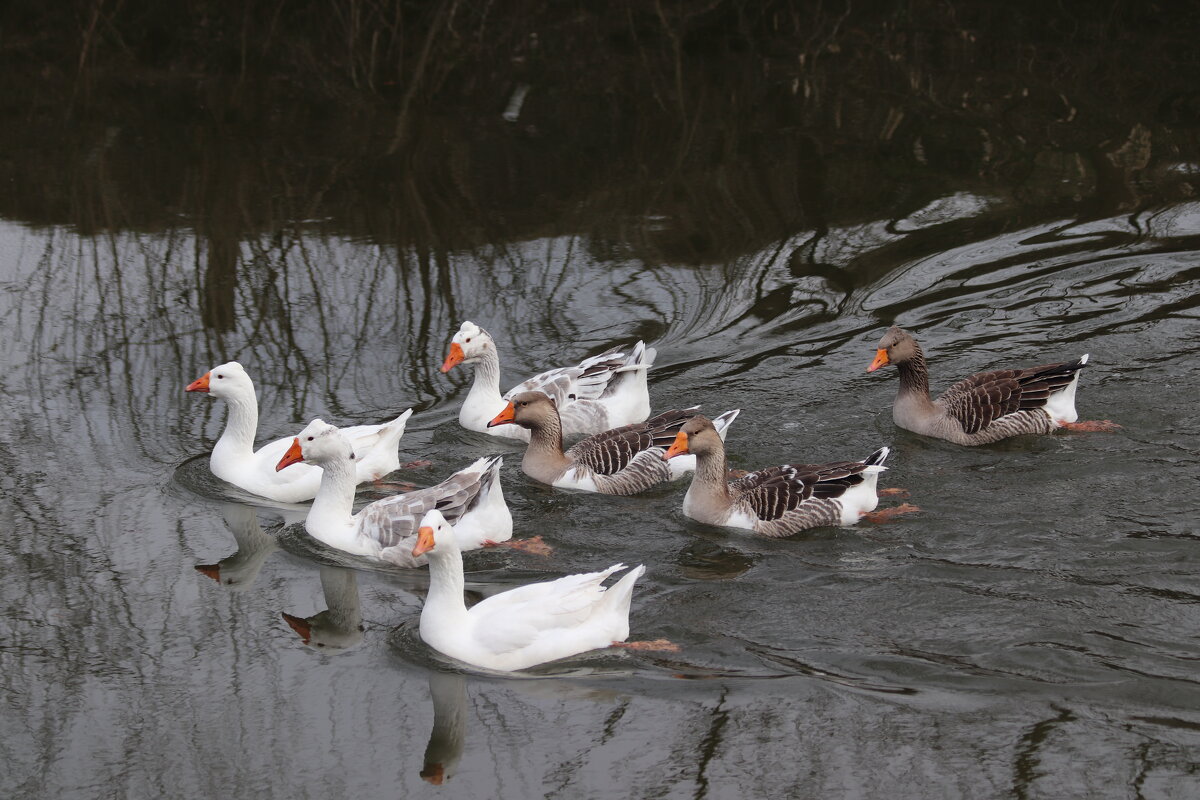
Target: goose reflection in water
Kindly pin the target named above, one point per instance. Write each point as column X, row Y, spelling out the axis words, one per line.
column 340, row 625
column 445, row 748
column 239, row 569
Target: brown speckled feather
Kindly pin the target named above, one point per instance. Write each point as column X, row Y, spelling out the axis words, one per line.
column 770, row 493
column 609, row 452
column 978, row 401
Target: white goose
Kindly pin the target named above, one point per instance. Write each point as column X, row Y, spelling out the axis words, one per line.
column 601, row 392
column 521, row 627
column 235, row 461
column 386, row 529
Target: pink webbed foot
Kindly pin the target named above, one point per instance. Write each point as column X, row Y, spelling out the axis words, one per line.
column 654, row 645
column 393, row 486
column 1091, row 426
column 886, row 514
column 421, row 462
column 534, row 545
column 893, row 492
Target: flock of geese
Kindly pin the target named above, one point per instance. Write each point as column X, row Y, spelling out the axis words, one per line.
column 605, row 399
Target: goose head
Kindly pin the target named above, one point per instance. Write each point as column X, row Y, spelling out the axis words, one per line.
column 226, row 381
column 697, row 436
column 896, row 347
column 527, row 409
column 468, row 346
column 319, row 443
column 325, row 630
column 434, row 530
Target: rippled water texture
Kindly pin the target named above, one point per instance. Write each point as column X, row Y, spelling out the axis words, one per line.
column 1033, row 632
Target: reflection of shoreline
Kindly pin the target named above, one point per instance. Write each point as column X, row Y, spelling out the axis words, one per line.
column 238, row 570
column 817, row 137
column 340, row 625
column 449, row 693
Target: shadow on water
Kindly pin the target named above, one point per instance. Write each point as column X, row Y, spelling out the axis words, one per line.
column 325, row 192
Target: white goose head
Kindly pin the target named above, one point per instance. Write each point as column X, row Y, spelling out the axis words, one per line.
column 434, row 531
column 468, row 346
column 319, row 443
column 227, row 381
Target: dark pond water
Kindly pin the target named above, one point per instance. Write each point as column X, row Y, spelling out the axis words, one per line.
column 1033, row 632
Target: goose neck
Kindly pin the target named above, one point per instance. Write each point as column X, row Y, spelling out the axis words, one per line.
column 446, row 585
column 486, row 386
column 711, row 471
column 914, row 374
column 241, row 425
column 546, row 445
column 333, row 507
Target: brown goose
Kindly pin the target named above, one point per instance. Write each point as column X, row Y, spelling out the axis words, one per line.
column 623, row 460
column 777, row 501
column 987, row 406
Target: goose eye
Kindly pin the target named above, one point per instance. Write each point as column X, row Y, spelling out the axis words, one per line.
column 219, row 377
column 310, row 438
column 468, row 341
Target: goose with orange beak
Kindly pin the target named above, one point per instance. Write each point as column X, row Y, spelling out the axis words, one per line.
column 601, row 392
column 777, row 501
column 386, row 530
column 624, row 460
column 987, row 406
column 235, row 460
column 521, row 627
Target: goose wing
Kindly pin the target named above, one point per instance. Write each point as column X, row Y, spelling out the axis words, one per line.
column 978, row 401
column 515, row 619
column 394, row 519
column 612, row 451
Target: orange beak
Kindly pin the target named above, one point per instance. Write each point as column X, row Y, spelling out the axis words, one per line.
column 434, row 773
column 456, row 357
column 299, row 625
column 292, row 456
column 678, row 447
column 509, row 414
column 211, row 570
column 199, row 385
column 881, row 359
column 424, row 541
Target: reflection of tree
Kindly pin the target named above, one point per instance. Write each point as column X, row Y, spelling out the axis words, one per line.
column 678, row 132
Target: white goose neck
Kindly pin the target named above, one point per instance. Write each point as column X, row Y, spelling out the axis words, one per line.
column 446, row 584
column 486, row 387
column 330, row 519
column 237, row 440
